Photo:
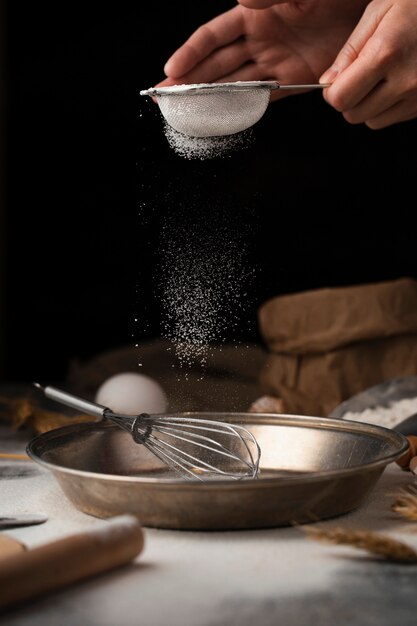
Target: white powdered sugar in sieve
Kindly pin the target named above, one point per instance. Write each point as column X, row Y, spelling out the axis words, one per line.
column 205, row 119
column 213, row 109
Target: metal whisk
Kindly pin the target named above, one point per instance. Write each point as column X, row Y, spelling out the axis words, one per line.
column 195, row 448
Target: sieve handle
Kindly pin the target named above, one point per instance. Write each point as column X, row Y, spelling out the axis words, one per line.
column 221, row 87
column 312, row 86
column 85, row 406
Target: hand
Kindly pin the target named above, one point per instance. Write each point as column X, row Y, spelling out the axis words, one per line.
column 374, row 77
column 292, row 42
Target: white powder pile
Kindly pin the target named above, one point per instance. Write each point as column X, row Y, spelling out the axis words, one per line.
column 203, row 287
column 206, row 147
column 389, row 416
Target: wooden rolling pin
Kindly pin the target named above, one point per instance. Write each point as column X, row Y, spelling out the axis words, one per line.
column 54, row 565
column 10, row 546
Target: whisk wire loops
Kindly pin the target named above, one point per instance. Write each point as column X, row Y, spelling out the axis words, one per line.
column 195, row 448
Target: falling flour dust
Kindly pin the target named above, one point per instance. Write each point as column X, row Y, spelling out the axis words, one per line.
column 204, row 278
column 204, row 284
column 206, row 147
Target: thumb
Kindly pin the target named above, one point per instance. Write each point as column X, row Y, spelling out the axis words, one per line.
column 364, row 30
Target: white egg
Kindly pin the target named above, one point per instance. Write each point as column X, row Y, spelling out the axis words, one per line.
column 131, row 394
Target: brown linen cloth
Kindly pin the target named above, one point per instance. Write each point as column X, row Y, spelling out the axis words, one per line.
column 326, row 345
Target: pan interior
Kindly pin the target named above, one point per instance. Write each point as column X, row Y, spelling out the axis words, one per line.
column 290, row 446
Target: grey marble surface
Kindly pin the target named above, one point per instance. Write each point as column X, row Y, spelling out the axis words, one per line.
column 235, row 578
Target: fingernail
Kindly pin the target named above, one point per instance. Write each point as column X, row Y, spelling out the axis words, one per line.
column 329, row 75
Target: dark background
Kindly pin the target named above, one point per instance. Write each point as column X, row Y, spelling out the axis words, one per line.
column 91, row 179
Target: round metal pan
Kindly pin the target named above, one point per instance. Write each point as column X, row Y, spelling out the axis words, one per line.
column 311, row 468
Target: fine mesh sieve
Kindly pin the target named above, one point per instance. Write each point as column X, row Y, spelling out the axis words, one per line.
column 216, row 109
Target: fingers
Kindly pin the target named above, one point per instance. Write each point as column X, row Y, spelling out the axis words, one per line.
column 260, row 4
column 355, row 44
column 359, row 66
column 378, row 101
column 372, row 80
column 219, row 65
column 379, row 110
column 167, row 82
column 221, row 31
column 390, row 97
column 249, row 71
column 354, row 84
column 401, row 112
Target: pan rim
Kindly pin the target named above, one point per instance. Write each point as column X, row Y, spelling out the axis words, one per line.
column 348, row 426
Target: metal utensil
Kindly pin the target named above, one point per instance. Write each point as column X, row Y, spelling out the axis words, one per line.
column 216, row 109
column 311, row 468
column 14, row 521
column 381, row 396
column 196, row 449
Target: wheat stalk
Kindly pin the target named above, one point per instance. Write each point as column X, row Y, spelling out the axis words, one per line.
column 374, row 543
column 406, row 503
column 24, row 412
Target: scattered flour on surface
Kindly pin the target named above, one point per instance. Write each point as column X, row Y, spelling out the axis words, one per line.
column 386, row 416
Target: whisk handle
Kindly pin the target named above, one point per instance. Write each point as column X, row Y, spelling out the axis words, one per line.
column 85, row 406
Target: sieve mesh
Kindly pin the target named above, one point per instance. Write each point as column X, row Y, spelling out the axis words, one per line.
column 213, row 110
column 214, row 114
column 216, row 109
